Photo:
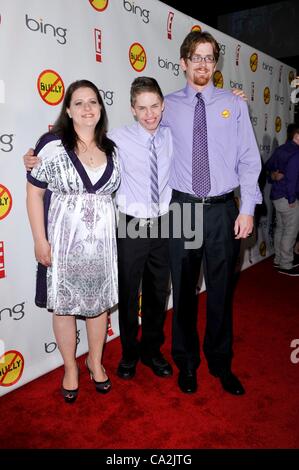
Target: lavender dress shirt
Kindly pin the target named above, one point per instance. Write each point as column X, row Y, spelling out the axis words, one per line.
column 133, row 196
column 234, row 157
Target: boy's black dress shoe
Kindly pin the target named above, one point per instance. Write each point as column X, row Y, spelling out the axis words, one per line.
column 187, row 381
column 127, row 368
column 230, row 382
column 159, row 365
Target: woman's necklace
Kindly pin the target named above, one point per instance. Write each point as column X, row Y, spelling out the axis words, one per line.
column 88, row 155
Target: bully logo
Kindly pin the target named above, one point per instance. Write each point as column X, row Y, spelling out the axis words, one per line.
column 196, row 27
column 137, row 57
column 253, row 62
column 99, row 5
column 46, row 28
column 278, row 124
column 50, row 87
column 267, row 95
column 5, row 202
column 218, row 79
column 11, row 368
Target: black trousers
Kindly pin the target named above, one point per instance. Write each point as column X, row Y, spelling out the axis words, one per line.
column 142, row 261
column 218, row 253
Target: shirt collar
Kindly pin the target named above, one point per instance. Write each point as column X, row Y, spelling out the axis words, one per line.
column 207, row 93
column 146, row 136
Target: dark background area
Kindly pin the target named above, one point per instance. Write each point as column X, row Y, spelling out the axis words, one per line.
column 269, row 26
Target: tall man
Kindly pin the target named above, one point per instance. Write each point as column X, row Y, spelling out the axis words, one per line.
column 215, row 152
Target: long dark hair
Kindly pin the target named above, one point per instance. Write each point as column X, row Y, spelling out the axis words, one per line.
column 64, row 128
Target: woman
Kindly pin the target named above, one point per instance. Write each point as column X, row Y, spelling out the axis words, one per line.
column 77, row 243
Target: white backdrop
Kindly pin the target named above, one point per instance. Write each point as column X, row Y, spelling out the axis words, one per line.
column 44, row 47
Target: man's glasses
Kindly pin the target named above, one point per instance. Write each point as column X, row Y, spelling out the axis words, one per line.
column 208, row 59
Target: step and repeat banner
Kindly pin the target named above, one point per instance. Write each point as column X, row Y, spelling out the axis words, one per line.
column 44, row 46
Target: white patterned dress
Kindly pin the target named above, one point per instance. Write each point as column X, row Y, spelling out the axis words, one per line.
column 80, row 225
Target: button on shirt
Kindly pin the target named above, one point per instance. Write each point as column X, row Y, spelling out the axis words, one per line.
column 133, row 196
column 234, row 157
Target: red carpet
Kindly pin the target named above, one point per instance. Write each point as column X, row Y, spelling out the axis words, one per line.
column 152, row 413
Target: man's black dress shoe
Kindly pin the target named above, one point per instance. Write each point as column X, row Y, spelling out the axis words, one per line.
column 127, row 368
column 187, row 381
column 159, row 365
column 230, row 382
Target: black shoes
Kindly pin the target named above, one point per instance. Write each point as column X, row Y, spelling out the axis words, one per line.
column 159, row 365
column 70, row 396
column 101, row 387
column 187, row 381
column 230, row 382
column 127, row 368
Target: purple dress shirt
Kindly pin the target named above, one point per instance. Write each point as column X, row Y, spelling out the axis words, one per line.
column 234, row 157
column 133, row 196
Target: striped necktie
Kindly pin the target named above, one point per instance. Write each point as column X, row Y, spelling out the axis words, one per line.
column 201, row 183
column 154, row 179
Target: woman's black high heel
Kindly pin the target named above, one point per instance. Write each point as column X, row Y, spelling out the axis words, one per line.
column 70, row 396
column 101, row 387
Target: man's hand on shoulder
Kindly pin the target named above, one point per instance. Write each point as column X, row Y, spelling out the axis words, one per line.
column 240, row 93
column 30, row 160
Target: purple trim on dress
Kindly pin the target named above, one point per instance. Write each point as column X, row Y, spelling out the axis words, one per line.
column 35, row 182
column 41, row 274
column 106, row 175
column 90, row 188
column 44, row 140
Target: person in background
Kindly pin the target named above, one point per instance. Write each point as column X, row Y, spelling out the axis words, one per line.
column 215, row 152
column 76, row 248
column 283, row 166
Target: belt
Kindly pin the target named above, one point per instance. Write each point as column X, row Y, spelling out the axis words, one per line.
column 186, row 197
column 141, row 222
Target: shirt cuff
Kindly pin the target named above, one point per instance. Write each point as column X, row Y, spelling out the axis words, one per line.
column 247, row 207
